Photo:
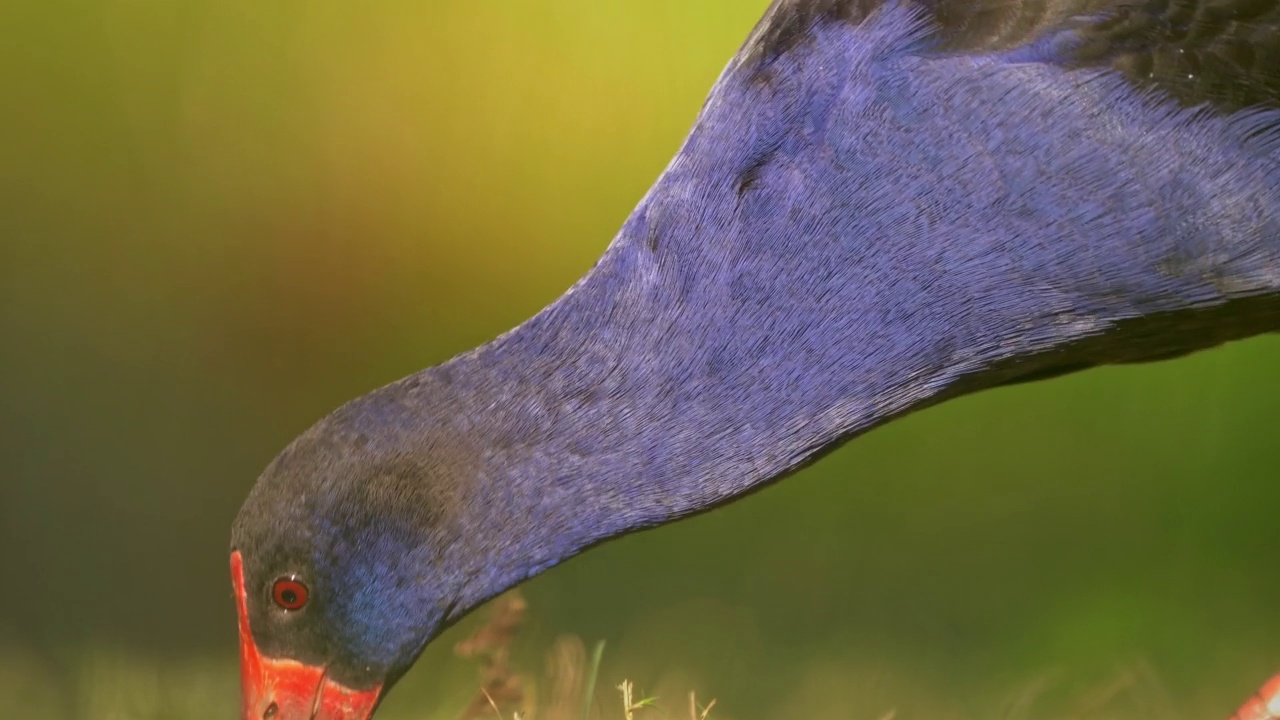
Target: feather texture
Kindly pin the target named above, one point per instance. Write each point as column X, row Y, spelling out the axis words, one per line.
column 1224, row 53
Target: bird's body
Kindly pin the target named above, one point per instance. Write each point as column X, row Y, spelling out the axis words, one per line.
column 881, row 206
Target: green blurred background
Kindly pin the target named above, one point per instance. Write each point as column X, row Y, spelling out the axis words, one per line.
column 219, row 219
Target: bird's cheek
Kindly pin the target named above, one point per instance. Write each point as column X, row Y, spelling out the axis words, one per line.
column 283, row 689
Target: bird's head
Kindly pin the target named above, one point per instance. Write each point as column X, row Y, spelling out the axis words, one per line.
column 346, row 561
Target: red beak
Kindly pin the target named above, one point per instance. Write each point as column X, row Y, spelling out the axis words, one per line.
column 283, row 689
column 1265, row 705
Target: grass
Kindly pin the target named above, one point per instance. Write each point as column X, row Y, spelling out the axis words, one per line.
column 572, row 676
column 113, row 685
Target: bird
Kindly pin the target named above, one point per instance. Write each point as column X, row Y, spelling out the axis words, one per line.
column 882, row 205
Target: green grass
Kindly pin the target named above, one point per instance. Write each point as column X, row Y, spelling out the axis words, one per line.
column 110, row 685
column 569, row 684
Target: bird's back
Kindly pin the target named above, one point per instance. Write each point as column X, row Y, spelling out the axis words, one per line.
column 1222, row 52
column 994, row 179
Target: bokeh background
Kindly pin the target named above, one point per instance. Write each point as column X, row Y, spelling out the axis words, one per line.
column 219, row 219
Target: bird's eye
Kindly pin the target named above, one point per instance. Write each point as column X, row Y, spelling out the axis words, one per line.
column 289, row 593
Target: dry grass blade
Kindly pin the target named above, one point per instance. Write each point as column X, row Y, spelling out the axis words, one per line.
column 625, row 687
column 629, row 706
column 694, row 713
column 490, row 645
column 565, row 672
column 492, row 704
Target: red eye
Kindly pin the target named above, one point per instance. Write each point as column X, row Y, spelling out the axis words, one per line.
column 289, row 593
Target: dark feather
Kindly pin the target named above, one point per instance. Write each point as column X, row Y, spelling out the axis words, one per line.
column 1224, row 53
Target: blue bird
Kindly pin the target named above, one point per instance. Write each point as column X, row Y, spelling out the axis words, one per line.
column 882, row 205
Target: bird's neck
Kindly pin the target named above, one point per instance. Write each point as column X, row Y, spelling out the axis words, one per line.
column 780, row 290
column 672, row 380
column 655, row 390
column 625, row 406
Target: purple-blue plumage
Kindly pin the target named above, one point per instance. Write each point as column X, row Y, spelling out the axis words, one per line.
column 880, row 207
